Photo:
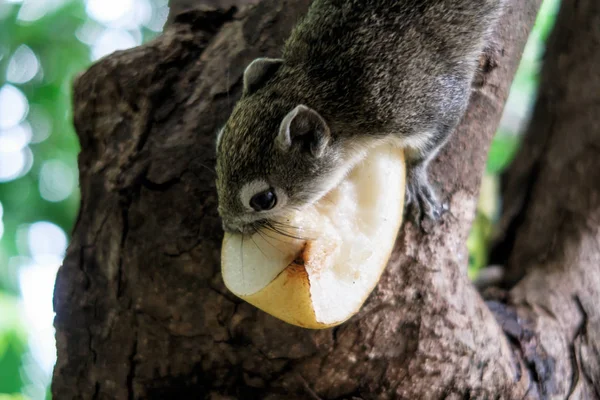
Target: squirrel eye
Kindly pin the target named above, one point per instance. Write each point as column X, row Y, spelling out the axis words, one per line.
column 263, row 201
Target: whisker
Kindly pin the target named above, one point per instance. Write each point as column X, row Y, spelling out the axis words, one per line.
column 257, row 246
column 282, row 225
column 268, row 225
column 285, row 225
column 242, row 258
column 263, row 234
column 266, row 229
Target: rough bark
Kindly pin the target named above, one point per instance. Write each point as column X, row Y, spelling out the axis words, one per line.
column 141, row 308
column 177, row 7
column 550, row 237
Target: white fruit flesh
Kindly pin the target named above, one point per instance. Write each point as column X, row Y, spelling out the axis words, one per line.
column 322, row 275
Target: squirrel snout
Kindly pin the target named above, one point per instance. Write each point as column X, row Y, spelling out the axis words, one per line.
column 229, row 227
column 235, row 227
column 227, row 223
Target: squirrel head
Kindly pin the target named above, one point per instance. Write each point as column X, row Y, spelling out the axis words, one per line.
column 273, row 154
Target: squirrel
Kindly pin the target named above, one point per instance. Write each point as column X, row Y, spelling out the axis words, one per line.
column 353, row 74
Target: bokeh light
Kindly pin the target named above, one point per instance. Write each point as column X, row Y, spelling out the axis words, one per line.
column 23, row 66
column 111, row 40
column 109, row 11
column 47, row 244
column 13, row 106
column 15, row 134
column 15, row 164
column 57, row 180
column 15, row 138
column 46, row 239
column 41, row 123
column 48, row 42
column 33, row 10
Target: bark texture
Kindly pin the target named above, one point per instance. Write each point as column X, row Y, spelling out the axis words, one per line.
column 177, row 7
column 142, row 312
column 550, row 236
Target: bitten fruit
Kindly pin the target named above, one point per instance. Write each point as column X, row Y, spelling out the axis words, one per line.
column 317, row 267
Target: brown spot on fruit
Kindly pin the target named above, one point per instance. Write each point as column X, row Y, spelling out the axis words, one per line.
column 296, row 271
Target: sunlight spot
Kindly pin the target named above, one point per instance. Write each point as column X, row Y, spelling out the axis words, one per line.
column 15, row 164
column 13, row 106
column 41, row 123
column 47, row 244
column 160, row 13
column 46, row 239
column 139, row 15
column 23, row 65
column 15, row 138
column 123, row 14
column 32, row 10
column 112, row 40
column 57, row 180
column 107, row 11
column 36, row 281
column 89, row 32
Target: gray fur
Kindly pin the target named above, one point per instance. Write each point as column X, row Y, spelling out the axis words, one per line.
column 371, row 70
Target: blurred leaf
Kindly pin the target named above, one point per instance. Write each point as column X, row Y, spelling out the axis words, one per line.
column 60, row 55
column 53, row 39
column 13, row 343
column 546, row 17
column 502, row 151
column 487, row 210
column 507, row 140
column 13, row 397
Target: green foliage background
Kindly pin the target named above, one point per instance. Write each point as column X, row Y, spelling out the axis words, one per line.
column 57, row 36
column 507, row 139
column 63, row 35
column 52, row 39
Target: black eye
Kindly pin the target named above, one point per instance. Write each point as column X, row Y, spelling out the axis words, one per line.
column 263, row 201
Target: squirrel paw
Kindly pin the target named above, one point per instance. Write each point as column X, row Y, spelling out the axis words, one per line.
column 421, row 201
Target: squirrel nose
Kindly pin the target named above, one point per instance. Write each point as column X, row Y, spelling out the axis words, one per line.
column 237, row 228
column 229, row 226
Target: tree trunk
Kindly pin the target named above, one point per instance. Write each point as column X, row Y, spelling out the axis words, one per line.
column 142, row 312
column 550, row 230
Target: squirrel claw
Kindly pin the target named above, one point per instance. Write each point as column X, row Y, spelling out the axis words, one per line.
column 421, row 202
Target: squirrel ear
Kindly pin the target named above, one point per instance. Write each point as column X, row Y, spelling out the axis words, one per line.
column 306, row 126
column 258, row 72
